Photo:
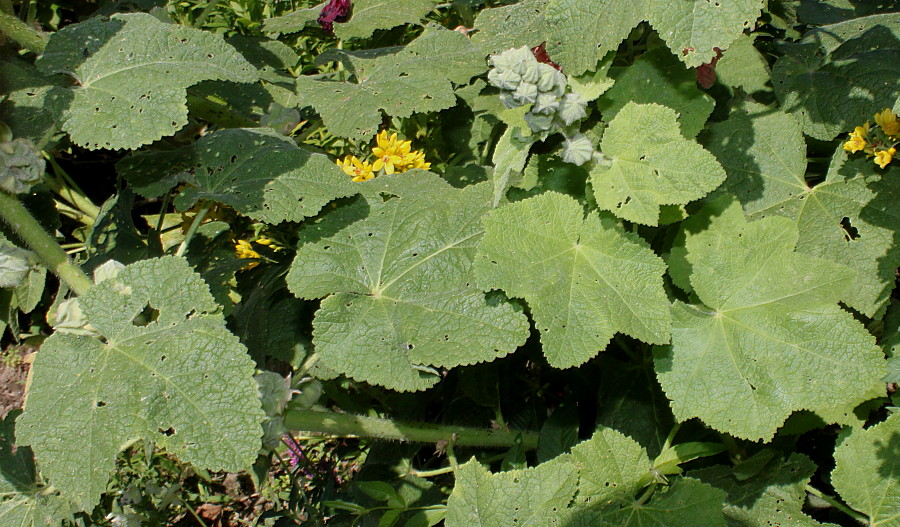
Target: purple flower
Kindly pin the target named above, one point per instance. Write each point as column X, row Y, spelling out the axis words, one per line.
column 336, row 11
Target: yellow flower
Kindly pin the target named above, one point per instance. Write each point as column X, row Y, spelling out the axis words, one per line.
column 858, row 139
column 360, row 170
column 884, row 157
column 389, row 153
column 888, row 122
column 243, row 249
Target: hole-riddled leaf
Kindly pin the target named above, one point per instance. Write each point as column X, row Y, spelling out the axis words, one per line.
column 91, row 397
column 132, row 72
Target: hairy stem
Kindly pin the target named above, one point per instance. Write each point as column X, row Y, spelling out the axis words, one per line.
column 361, row 426
column 54, row 257
column 22, row 34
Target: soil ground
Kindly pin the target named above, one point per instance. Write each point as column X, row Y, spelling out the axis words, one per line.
column 14, row 364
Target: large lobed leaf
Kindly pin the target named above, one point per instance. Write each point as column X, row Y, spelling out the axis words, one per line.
column 769, row 338
column 395, row 269
column 511, row 26
column 650, row 164
column 584, row 277
column 583, row 31
column 167, row 370
column 401, row 81
column 850, row 218
column 131, row 72
column 367, row 16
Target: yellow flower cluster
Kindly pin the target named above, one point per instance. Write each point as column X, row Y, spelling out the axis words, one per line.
column 880, row 143
column 244, row 249
column 392, row 156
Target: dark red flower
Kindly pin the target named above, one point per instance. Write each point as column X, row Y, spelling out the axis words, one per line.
column 540, row 53
column 336, row 11
column 706, row 73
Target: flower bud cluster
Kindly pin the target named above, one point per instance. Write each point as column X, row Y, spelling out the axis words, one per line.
column 523, row 80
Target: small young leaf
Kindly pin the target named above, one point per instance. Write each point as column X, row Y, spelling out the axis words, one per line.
column 652, row 164
column 867, row 471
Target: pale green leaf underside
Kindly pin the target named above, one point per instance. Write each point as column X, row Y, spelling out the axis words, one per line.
column 658, row 77
column 370, row 15
column 838, row 76
column 511, row 26
column 132, row 72
column 773, row 496
column 770, row 339
column 584, row 278
column 263, row 175
column 415, row 79
column 651, row 164
column 182, row 381
column 583, row 31
column 397, row 276
column 867, row 472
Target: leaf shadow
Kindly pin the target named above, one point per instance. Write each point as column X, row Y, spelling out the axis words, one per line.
column 888, row 454
column 855, row 72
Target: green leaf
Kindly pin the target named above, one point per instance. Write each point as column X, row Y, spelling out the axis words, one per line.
column 773, row 495
column 838, row 76
column 890, row 341
column 519, row 497
column 850, row 218
column 370, row 15
column 633, row 403
column 611, row 467
column 167, row 371
column 511, row 26
column 764, row 155
column 651, row 164
column 294, row 22
column 396, row 271
column 401, row 81
column 583, row 31
column 686, row 503
column 558, row 434
column 132, row 72
column 867, row 471
column 770, row 338
column 744, row 67
column 584, row 278
column 29, row 103
column 263, row 175
column 659, row 77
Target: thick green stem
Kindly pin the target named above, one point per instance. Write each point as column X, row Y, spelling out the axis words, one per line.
column 361, row 426
column 21, row 33
column 23, row 223
column 198, row 219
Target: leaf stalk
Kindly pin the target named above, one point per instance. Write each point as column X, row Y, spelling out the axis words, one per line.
column 22, row 34
column 48, row 250
column 362, row 426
